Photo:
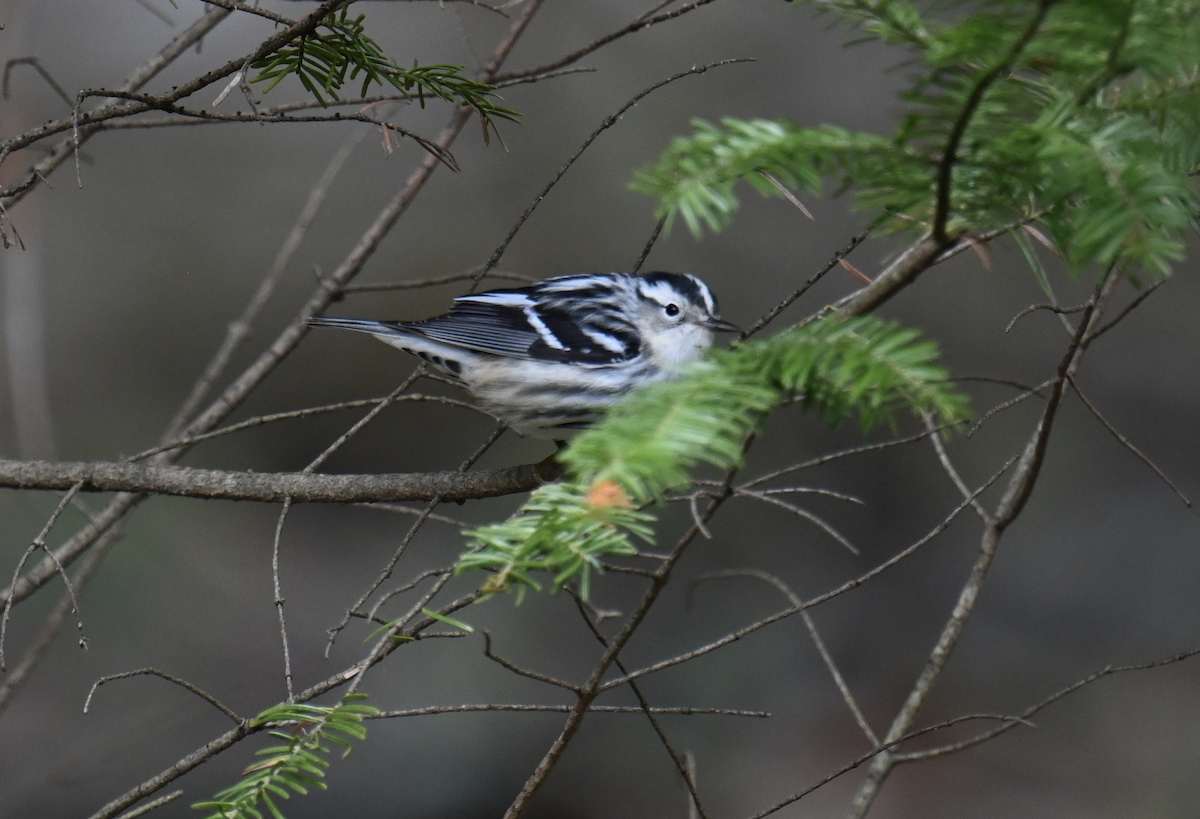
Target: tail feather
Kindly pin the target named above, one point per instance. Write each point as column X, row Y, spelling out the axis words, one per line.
column 361, row 325
column 446, row 358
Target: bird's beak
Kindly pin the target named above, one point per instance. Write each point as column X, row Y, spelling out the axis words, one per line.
column 722, row 326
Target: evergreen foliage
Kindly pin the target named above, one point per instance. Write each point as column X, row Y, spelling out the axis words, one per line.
column 297, row 764
column 1084, row 114
column 647, row 445
column 1081, row 114
column 339, row 49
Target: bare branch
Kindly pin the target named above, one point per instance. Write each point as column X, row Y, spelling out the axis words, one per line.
column 274, row 487
column 799, row 512
column 1023, row 719
column 686, row 711
column 683, row 763
column 1012, row 402
column 140, row 76
column 36, row 64
column 800, row 291
column 522, row 672
column 575, row 56
column 1016, row 494
column 39, row 543
column 1053, row 308
column 1125, row 442
column 152, row 805
column 154, row 672
column 608, row 122
column 57, row 617
column 809, row 624
column 734, row 636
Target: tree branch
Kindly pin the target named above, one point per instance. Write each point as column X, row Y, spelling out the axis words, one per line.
column 274, row 487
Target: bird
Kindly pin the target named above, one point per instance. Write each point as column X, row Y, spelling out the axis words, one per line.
column 550, row 357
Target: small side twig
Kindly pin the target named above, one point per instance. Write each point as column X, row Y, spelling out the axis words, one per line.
column 171, row 678
column 36, row 65
column 810, row 624
column 1125, row 442
column 608, row 122
column 39, row 544
column 522, row 672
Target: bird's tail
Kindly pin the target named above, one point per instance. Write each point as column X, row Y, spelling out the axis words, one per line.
column 361, row 325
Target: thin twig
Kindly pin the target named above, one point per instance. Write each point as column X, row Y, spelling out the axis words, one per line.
column 152, row 805
column 562, row 709
column 278, row 599
column 1125, row 442
column 397, row 509
column 383, row 287
column 240, row 329
column 54, row 621
column 434, row 501
column 1129, row 308
column 939, row 447
column 1012, row 402
column 36, row 64
column 39, row 544
column 1053, row 308
column 799, row 512
column 522, row 672
column 608, row 122
column 409, row 586
column 800, row 291
column 154, row 672
column 575, row 56
column 810, row 624
column 654, row 234
column 1023, row 718
column 849, row 585
column 681, row 762
column 820, row 460
column 1012, row 502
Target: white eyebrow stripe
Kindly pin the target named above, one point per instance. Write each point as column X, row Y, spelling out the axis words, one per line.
column 659, row 292
column 535, row 321
column 710, row 304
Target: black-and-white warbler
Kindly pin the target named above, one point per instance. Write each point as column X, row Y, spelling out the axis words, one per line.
column 546, row 357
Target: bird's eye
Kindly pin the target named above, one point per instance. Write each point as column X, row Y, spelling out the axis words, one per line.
column 672, row 310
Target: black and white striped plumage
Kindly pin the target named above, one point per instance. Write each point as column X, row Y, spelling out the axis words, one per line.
column 545, row 357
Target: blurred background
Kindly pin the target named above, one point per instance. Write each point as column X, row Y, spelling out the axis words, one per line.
column 126, row 286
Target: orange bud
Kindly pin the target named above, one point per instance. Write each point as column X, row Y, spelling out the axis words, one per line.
column 606, row 495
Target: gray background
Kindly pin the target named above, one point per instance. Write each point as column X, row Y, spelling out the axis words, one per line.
column 142, row 268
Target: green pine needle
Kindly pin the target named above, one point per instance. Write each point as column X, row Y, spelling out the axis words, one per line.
column 340, row 50
column 295, row 765
column 1086, row 113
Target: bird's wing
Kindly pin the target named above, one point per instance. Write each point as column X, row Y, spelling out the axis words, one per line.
column 511, row 323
